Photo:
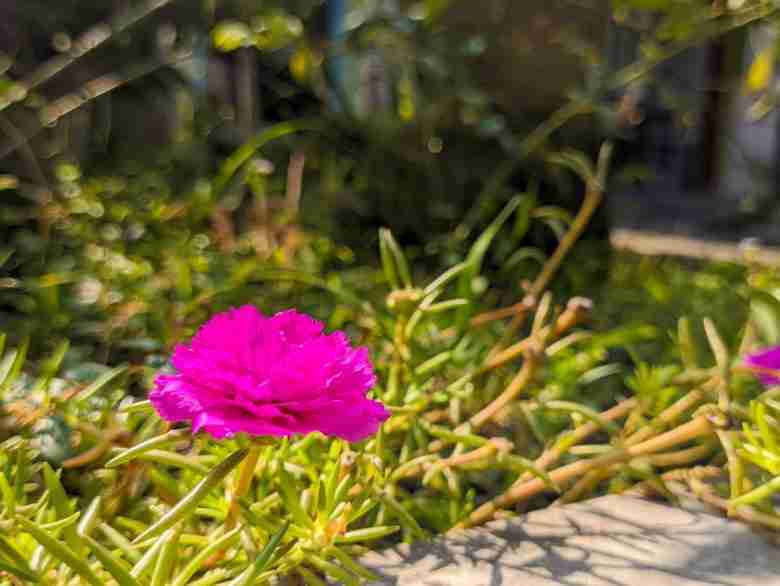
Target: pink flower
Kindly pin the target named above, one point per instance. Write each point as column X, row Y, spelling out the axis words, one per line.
column 766, row 364
column 279, row 376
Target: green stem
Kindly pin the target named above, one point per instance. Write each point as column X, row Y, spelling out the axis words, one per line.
column 244, row 482
column 762, row 492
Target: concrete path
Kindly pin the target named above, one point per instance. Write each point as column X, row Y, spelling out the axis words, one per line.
column 658, row 244
column 609, row 541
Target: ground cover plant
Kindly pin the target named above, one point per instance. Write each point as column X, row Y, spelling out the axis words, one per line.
column 489, row 412
column 481, row 387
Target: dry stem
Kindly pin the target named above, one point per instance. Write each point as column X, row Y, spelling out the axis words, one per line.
column 697, row 427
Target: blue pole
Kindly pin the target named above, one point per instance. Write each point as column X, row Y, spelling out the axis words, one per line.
column 336, row 61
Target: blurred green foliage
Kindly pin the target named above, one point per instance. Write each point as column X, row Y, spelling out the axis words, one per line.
column 656, row 291
column 470, row 422
column 494, row 384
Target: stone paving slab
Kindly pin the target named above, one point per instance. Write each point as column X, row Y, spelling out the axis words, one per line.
column 608, row 541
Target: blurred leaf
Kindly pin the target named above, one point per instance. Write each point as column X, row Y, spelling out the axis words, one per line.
column 600, row 372
column 19, row 572
column 55, row 526
column 403, row 515
column 686, row 343
column 112, row 565
column 217, row 544
column 367, row 534
column 718, row 346
column 68, row 172
column 477, row 254
column 276, row 29
column 175, row 459
column 249, row 575
column 230, row 35
column 388, row 261
column 11, row 365
column 11, row 553
column 587, row 412
column 291, row 498
column 523, row 216
column 8, row 182
column 553, row 212
column 398, row 257
column 442, row 280
column 9, row 498
column 99, row 384
column 138, row 407
column 50, row 367
column 575, row 161
column 761, row 71
column 60, row 551
column 246, row 151
column 91, row 517
column 165, row 560
column 301, row 64
column 434, row 9
column 150, row 444
column 765, row 309
column 525, row 253
column 333, row 571
column 59, row 499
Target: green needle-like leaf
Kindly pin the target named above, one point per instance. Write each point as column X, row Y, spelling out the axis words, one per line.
column 388, row 264
column 165, row 560
column 148, row 561
column 150, row 444
column 222, row 543
column 346, row 561
column 12, row 364
column 62, row 506
column 99, row 383
column 249, row 575
column 190, row 502
column 8, row 549
column 367, row 534
column 60, row 551
column 333, row 570
column 19, row 572
column 477, row 254
column 111, row 564
column 292, row 499
column 756, row 495
column 8, row 494
column 586, row 412
column 91, row 517
column 61, row 523
column 403, row 515
column 137, row 407
column 175, row 459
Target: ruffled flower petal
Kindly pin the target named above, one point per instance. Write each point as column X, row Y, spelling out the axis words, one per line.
column 173, row 399
column 766, row 365
column 246, row 373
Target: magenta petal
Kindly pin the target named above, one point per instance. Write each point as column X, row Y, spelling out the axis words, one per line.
column 768, row 359
column 211, row 424
column 297, row 328
column 173, row 400
column 360, row 421
column 247, row 373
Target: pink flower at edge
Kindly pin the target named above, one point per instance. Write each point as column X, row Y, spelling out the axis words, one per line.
column 278, row 376
column 766, row 364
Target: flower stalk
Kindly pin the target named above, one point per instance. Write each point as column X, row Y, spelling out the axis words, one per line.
column 246, row 473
